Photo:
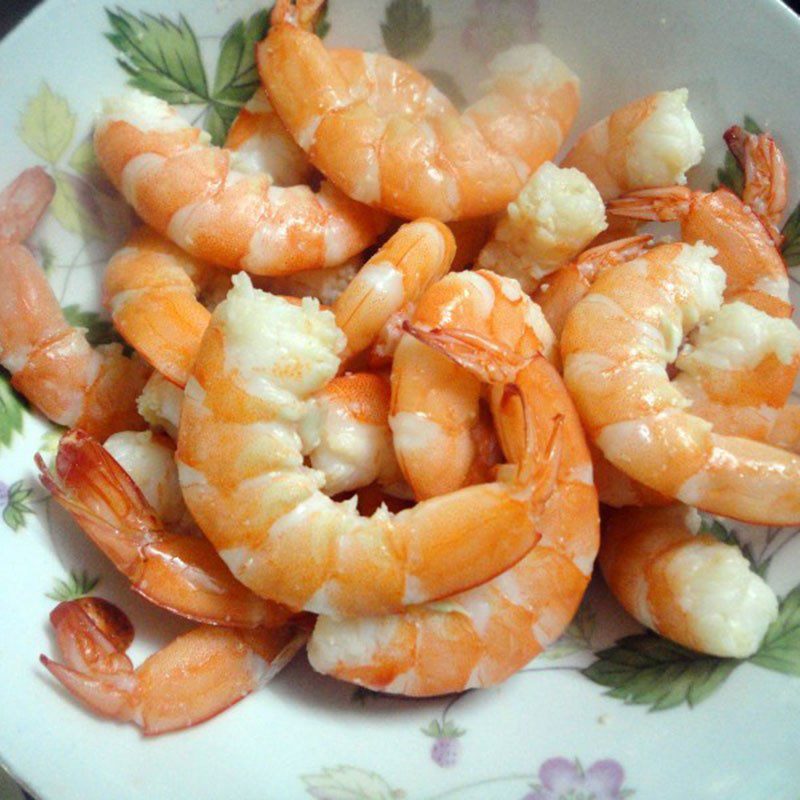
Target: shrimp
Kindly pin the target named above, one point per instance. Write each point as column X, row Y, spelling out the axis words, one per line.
column 204, row 199
column 652, row 141
column 386, row 137
column 326, row 285
column 554, row 217
column 157, row 296
column 259, row 137
column 173, row 570
column 391, row 282
column 240, row 464
column 685, row 585
column 194, row 678
column 745, row 249
column 160, row 404
column 435, row 411
column 480, row 637
column 567, row 285
column 616, row 346
column 22, row 204
column 53, row 364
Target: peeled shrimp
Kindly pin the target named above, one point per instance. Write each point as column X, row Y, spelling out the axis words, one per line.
column 385, row 136
column 176, row 571
column 22, row 204
column 652, row 141
column 685, row 585
column 160, row 404
column 616, row 346
column 194, row 678
column 240, row 461
column 204, row 199
column 326, row 285
column 745, row 249
column 53, row 364
column 480, row 637
column 435, row 412
column 554, row 217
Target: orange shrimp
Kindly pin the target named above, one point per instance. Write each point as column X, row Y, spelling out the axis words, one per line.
column 240, row 463
column 204, row 199
column 53, row 364
column 435, row 411
column 175, row 571
column 382, row 133
column 683, row 584
column 616, row 346
column 22, row 204
column 194, row 678
column 480, row 637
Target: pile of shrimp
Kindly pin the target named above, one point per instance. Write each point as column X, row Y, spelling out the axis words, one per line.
column 386, row 360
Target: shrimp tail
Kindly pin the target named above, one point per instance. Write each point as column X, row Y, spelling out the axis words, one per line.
column 22, row 204
column 662, row 204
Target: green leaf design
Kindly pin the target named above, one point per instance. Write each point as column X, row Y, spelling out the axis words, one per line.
column 730, row 173
column 84, row 160
column 715, row 528
column 577, row 637
column 16, row 508
column 75, row 206
column 47, row 124
column 161, row 57
column 323, row 26
column 780, row 650
column 98, row 329
column 12, row 409
column 348, row 783
column 791, row 239
column 47, row 258
column 648, row 670
column 407, row 29
column 78, row 584
column 447, row 85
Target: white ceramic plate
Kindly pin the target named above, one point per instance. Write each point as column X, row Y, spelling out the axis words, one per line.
column 691, row 727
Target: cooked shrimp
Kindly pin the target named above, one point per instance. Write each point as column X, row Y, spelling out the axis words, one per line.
column 482, row 636
column 616, row 346
column 554, row 217
column 385, row 136
column 326, row 285
column 53, row 364
column 157, row 296
column 194, row 678
column 567, row 285
column 392, row 281
column 22, row 204
column 160, row 404
column 176, row 571
column 683, row 584
column 745, row 249
column 240, row 462
column 652, row 141
column 470, row 235
column 263, row 143
column 204, row 199
column 435, row 402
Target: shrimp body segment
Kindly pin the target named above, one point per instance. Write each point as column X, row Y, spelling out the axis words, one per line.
column 616, row 346
column 22, row 204
column 194, row 678
column 480, row 637
column 385, row 136
column 204, row 199
column 176, row 571
column 240, row 461
column 683, row 584
column 650, row 142
column 53, row 364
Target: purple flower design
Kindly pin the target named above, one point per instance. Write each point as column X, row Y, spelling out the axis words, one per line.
column 498, row 24
column 562, row 779
column 4, row 492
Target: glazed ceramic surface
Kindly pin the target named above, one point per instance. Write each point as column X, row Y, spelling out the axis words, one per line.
column 608, row 712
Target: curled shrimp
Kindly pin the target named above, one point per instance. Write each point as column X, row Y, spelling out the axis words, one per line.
column 173, row 570
column 243, row 478
column 554, row 217
column 480, row 637
column 616, row 346
column 52, row 363
column 382, row 133
column 652, row 141
column 685, row 585
column 194, row 678
column 745, row 249
column 439, row 432
column 204, row 199
column 160, row 404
